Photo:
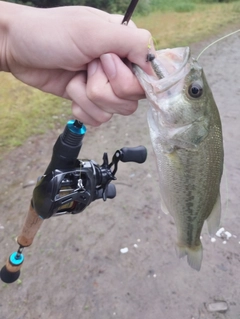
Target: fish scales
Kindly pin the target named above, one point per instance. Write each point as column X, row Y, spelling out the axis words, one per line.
column 186, row 135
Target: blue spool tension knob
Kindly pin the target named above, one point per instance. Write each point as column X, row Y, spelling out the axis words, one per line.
column 16, row 259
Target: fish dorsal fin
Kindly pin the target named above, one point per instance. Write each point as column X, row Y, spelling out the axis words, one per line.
column 213, row 221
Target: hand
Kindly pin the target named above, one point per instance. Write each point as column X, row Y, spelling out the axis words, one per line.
column 78, row 53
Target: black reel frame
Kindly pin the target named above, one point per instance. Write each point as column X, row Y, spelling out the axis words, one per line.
column 71, row 191
column 68, row 186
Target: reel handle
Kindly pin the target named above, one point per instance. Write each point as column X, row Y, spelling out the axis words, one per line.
column 136, row 154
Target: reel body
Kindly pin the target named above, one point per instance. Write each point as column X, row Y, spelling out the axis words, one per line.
column 68, row 186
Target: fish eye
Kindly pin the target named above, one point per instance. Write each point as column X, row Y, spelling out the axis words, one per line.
column 195, row 90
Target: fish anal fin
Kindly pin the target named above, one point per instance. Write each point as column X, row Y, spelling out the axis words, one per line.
column 194, row 255
column 213, row 220
column 164, row 207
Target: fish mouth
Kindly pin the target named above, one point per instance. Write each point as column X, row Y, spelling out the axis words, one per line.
column 172, row 61
column 173, row 66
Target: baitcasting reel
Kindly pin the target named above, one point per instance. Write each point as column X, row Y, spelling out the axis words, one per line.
column 68, row 186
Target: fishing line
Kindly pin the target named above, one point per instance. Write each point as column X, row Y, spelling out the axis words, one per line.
column 218, row 40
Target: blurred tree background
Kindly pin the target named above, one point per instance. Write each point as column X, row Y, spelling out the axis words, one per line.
column 117, row 6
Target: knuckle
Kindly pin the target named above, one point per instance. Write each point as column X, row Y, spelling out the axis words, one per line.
column 129, row 108
column 95, row 93
column 104, row 117
column 125, row 89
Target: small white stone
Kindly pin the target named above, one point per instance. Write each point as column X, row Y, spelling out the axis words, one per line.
column 213, row 240
column 224, row 242
column 124, row 250
column 138, row 240
column 135, row 246
column 228, row 235
column 218, row 306
column 219, row 232
column 154, row 275
column 1, row 227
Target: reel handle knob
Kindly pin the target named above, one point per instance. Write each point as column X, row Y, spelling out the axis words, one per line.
column 136, row 154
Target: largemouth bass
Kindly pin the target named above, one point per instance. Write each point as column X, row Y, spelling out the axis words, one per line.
column 186, row 135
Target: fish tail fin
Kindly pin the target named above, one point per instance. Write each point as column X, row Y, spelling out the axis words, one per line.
column 194, row 255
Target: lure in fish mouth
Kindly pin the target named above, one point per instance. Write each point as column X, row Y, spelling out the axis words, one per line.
column 186, row 134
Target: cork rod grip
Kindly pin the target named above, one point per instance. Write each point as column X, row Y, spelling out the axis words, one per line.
column 31, row 225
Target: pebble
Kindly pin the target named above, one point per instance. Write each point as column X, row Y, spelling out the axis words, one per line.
column 213, row 240
column 228, row 235
column 219, row 232
column 124, row 250
column 219, row 306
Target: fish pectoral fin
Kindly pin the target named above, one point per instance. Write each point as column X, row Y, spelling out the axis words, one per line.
column 194, row 255
column 189, row 136
column 213, row 220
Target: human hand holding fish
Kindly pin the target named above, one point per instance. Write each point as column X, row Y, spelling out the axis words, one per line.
column 77, row 53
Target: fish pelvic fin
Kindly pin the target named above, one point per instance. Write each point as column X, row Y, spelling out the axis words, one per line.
column 194, row 255
column 213, row 220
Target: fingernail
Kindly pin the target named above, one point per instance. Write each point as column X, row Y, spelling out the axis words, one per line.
column 108, row 65
column 92, row 67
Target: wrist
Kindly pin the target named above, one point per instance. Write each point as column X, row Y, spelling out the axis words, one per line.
column 8, row 13
column 4, row 27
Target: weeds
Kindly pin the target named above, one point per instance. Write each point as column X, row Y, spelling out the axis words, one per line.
column 173, row 29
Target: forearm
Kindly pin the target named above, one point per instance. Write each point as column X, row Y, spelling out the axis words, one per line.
column 12, row 24
column 6, row 11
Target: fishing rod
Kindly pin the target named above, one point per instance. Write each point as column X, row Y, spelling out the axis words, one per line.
column 68, row 186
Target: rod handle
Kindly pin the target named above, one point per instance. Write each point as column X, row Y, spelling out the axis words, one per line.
column 30, row 227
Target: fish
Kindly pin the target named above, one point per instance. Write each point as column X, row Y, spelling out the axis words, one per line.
column 186, row 134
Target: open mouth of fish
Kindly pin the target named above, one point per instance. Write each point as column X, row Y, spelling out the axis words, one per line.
column 169, row 67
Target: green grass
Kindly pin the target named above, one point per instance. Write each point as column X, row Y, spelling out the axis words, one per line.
column 171, row 28
column 26, row 111
column 172, row 5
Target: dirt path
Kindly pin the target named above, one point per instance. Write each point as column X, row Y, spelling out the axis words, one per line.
column 75, row 268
